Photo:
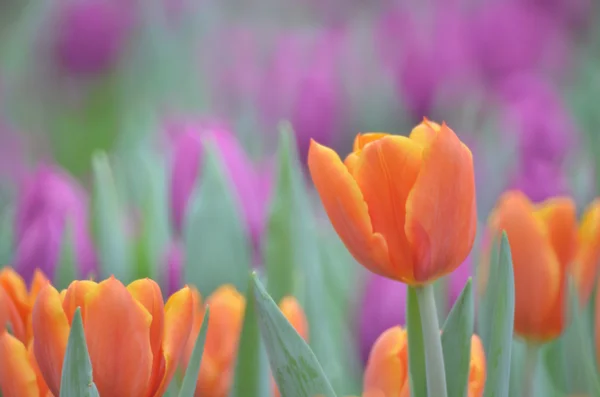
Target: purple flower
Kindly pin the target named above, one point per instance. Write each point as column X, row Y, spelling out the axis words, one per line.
column 252, row 183
column 427, row 57
column 173, row 268
column 49, row 201
column 303, row 85
column 384, row 304
column 90, row 34
column 513, row 36
column 545, row 132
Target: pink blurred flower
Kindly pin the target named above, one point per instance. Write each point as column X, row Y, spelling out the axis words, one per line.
column 91, row 34
column 384, row 305
column 252, row 183
column 50, row 200
column 173, row 268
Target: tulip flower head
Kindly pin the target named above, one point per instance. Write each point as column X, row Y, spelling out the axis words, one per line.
column 134, row 340
column 587, row 258
column 386, row 374
column 403, row 206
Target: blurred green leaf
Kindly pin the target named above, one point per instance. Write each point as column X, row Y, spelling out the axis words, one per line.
column 497, row 310
column 217, row 250
column 109, row 223
column 6, row 235
column 252, row 375
column 76, row 379
column 416, row 346
column 456, row 342
column 66, row 271
column 295, row 367
column 190, row 378
column 570, row 359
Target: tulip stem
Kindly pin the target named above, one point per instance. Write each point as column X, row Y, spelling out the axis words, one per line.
column 434, row 356
column 531, row 358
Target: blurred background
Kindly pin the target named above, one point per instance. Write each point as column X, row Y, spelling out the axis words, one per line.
column 106, row 106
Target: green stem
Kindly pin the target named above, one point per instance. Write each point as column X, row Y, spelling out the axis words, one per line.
column 434, row 356
column 531, row 358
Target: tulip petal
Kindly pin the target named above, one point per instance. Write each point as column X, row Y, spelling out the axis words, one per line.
column 362, row 140
column 75, row 297
column 558, row 214
column 17, row 377
column 42, row 386
column 537, row 270
column 117, row 330
column 9, row 315
column 477, row 371
column 425, row 132
column 385, row 174
column 387, row 368
column 587, row 259
column 50, row 336
column 39, row 281
column 227, row 307
column 441, row 216
column 17, row 291
column 179, row 316
column 346, row 208
column 291, row 309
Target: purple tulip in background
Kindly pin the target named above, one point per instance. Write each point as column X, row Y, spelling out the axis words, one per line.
column 91, row 34
column 384, row 304
column 545, row 133
column 49, row 201
column 302, row 85
column 428, row 57
column 252, row 183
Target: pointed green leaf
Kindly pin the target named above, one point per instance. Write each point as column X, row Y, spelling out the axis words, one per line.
column 217, row 250
column 294, row 365
column 193, row 369
column 252, row 368
column 416, row 346
column 496, row 334
column 108, row 220
column 456, row 342
column 76, row 380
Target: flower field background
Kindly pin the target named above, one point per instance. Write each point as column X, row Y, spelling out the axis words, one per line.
column 384, row 198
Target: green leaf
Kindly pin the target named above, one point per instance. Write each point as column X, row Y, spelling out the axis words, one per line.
column 297, row 250
column 109, row 223
column 416, row 346
column 456, row 342
column 570, row 359
column 252, row 368
column 66, row 270
column 295, row 367
column 217, row 250
column 496, row 333
column 193, row 369
column 76, row 380
column 282, row 233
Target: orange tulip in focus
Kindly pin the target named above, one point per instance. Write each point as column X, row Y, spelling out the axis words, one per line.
column 386, row 374
column 19, row 375
column 16, row 302
column 587, row 257
column 134, row 340
column 546, row 246
column 227, row 308
column 403, row 206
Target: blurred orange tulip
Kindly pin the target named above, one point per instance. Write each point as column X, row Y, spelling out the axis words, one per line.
column 587, row 257
column 403, row 206
column 227, row 308
column 16, row 302
column 134, row 340
column 386, row 374
column 19, row 374
column 547, row 246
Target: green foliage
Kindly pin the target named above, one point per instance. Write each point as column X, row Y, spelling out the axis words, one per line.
column 193, row 369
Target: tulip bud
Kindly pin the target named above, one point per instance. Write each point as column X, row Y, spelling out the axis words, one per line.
column 49, row 202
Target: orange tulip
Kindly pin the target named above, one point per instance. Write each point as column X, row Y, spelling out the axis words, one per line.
column 386, row 374
column 543, row 241
column 404, row 207
column 134, row 340
column 587, row 257
column 19, row 374
column 16, row 302
column 227, row 308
